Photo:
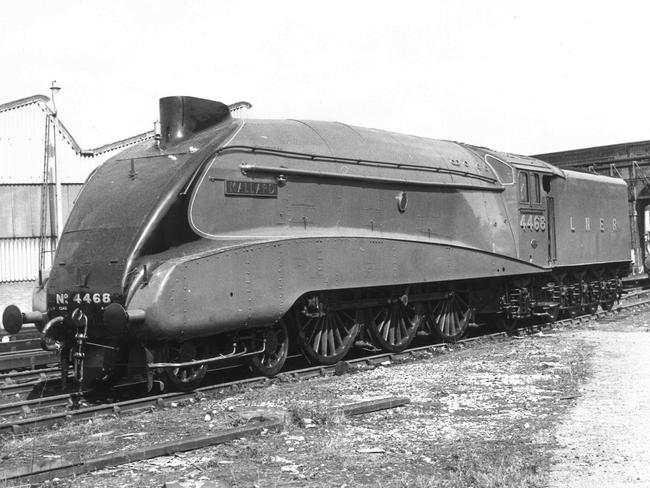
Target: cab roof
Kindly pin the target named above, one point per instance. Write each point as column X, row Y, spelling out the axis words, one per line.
column 528, row 163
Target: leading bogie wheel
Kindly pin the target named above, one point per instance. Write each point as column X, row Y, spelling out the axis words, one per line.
column 276, row 349
column 393, row 327
column 185, row 378
column 325, row 336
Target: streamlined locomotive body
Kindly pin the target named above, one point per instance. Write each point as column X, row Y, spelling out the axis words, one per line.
column 233, row 238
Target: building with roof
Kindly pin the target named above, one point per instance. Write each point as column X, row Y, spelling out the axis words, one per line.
column 42, row 169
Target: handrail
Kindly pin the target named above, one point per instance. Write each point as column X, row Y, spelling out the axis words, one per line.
column 357, row 162
column 252, row 168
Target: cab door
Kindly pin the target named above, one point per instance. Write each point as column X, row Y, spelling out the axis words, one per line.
column 533, row 219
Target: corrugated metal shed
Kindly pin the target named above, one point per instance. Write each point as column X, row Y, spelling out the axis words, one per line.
column 19, row 258
column 20, row 209
column 22, row 152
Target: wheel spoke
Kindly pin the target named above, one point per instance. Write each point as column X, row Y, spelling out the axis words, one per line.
column 458, row 317
column 316, row 342
column 323, row 336
column 338, row 324
column 344, row 315
column 445, row 318
column 330, row 339
column 453, row 322
column 443, row 315
column 398, row 330
column 462, row 303
column 313, row 329
column 439, row 310
column 386, row 325
column 337, row 336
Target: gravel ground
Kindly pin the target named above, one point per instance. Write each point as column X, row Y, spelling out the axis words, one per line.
column 605, row 440
column 561, row 408
column 477, row 417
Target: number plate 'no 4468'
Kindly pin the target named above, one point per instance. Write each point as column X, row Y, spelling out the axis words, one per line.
column 81, row 298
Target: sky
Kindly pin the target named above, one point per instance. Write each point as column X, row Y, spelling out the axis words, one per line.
column 521, row 76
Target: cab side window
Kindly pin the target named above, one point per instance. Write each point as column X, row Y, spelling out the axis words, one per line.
column 524, row 195
column 537, row 198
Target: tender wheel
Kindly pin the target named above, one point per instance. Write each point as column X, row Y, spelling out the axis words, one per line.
column 553, row 314
column 325, row 336
column 448, row 319
column 185, row 378
column 570, row 312
column 506, row 324
column 271, row 361
column 608, row 305
column 394, row 326
column 591, row 308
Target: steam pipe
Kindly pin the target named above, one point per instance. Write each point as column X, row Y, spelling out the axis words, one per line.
column 55, row 346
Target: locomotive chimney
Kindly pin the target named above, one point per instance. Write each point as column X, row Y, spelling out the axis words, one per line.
column 182, row 117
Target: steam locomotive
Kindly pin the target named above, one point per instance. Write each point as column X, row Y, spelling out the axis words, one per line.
column 227, row 238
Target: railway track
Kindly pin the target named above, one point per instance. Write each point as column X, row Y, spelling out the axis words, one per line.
column 32, row 376
column 28, row 331
column 20, row 344
column 13, row 390
column 27, row 359
column 19, row 416
column 48, row 470
column 22, row 351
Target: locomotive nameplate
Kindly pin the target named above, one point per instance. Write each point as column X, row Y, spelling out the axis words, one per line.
column 266, row 189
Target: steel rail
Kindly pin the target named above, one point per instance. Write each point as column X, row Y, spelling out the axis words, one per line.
column 7, row 377
column 26, row 406
column 28, row 331
column 21, row 390
column 14, row 387
column 20, row 345
column 27, row 359
column 165, row 399
column 44, row 471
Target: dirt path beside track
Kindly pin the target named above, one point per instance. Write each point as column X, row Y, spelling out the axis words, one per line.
column 605, row 439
